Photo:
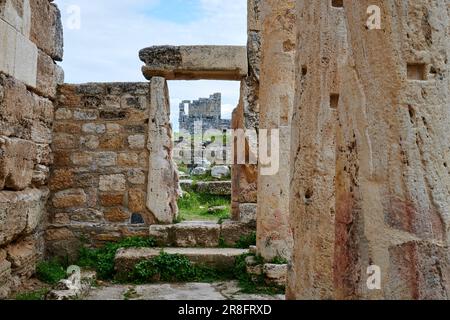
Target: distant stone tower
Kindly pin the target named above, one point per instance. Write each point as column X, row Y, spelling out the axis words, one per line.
column 207, row 110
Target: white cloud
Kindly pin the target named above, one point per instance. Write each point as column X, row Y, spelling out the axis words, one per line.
column 105, row 48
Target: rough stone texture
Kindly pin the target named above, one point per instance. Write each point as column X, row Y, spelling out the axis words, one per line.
column 195, row 62
column 163, row 187
column 232, row 231
column 247, row 213
column 17, row 158
column 276, row 95
column 98, row 180
column 372, row 189
column 20, row 213
column 221, row 188
column 126, row 259
column 28, row 78
column 275, row 273
column 206, row 110
column 187, row 234
column 178, row 291
column 246, row 115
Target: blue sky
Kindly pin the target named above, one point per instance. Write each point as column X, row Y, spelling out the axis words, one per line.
column 105, row 47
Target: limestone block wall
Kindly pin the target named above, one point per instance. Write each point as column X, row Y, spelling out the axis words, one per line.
column 112, row 163
column 30, row 43
column 377, row 193
column 276, row 96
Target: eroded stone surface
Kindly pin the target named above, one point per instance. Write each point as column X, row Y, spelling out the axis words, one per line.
column 163, row 187
column 276, row 96
column 370, row 182
column 195, row 62
column 126, row 259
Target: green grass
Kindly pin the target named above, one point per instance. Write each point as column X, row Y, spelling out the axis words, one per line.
column 194, row 206
column 102, row 259
column 50, row 272
column 174, row 268
column 33, row 295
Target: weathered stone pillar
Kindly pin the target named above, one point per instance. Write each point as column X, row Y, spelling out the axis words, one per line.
column 163, row 186
column 391, row 178
column 246, row 117
column 319, row 44
column 276, row 94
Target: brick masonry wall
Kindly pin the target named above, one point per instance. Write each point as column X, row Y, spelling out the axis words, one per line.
column 99, row 178
column 30, row 43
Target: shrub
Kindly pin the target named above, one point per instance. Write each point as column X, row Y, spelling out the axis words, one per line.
column 50, row 272
column 175, row 268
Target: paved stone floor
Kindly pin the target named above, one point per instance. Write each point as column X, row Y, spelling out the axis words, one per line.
column 184, row 291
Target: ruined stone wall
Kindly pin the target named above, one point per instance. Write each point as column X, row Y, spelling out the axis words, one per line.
column 276, row 95
column 30, row 43
column 112, row 147
column 206, row 110
column 370, row 148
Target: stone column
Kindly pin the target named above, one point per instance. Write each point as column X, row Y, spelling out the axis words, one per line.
column 380, row 197
column 246, row 117
column 320, row 43
column 276, row 95
column 163, row 187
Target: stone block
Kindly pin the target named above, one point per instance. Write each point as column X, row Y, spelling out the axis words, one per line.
column 114, row 182
column 222, row 188
column 69, row 198
column 46, row 28
column 195, row 62
column 17, row 13
column 275, row 273
column 17, row 159
column 49, row 75
column 247, row 213
column 136, row 176
column 5, row 275
column 117, row 215
column 7, row 47
column 136, row 200
column 111, row 199
column 20, row 213
column 126, row 259
column 136, row 141
column 23, row 257
column 232, row 231
column 25, row 61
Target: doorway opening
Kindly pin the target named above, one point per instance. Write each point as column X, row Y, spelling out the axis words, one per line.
column 201, row 113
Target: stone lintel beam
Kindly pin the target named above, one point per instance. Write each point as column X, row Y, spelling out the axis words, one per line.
column 195, row 62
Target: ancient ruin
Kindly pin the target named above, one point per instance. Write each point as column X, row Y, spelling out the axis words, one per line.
column 357, row 92
column 207, row 111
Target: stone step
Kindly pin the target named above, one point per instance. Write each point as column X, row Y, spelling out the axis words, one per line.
column 204, row 234
column 126, row 259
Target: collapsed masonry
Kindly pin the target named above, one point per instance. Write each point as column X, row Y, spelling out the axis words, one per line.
column 363, row 176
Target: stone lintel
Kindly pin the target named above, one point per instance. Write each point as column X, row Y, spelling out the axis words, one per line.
column 195, row 62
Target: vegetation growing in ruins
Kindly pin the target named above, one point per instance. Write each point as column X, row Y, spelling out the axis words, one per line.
column 33, row 295
column 174, row 268
column 50, row 272
column 253, row 284
column 279, row 260
column 194, row 206
column 102, row 259
column 246, row 241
